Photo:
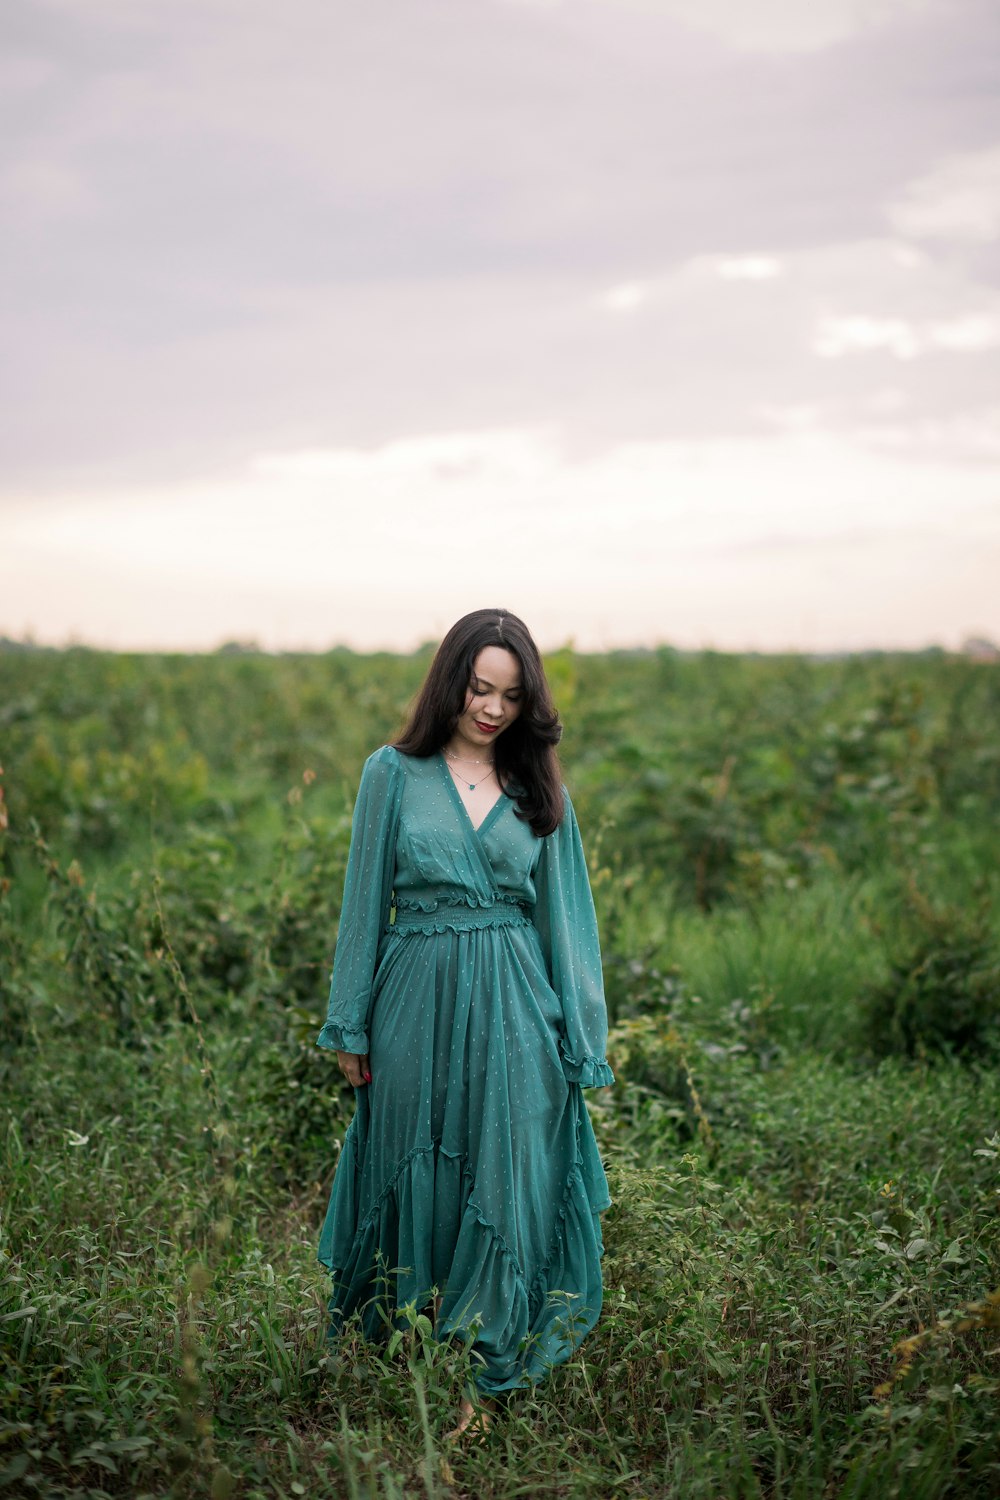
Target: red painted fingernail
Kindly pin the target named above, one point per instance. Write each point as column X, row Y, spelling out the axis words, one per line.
column 368, row 1078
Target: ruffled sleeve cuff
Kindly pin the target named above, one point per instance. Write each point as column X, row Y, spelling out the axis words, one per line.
column 339, row 1039
column 588, row 1072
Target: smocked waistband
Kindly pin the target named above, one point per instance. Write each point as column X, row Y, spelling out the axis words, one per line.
column 458, row 918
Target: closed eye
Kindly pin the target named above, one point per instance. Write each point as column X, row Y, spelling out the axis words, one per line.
column 480, row 692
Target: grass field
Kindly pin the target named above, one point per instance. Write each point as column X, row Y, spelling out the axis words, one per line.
column 795, row 868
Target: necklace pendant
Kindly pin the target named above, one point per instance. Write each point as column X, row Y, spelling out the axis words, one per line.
column 472, row 786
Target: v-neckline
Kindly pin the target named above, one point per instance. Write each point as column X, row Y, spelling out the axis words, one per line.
column 477, row 828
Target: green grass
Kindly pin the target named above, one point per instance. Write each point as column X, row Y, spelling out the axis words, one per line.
column 789, row 1208
column 756, row 1281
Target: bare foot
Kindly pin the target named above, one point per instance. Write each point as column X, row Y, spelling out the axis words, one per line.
column 470, row 1420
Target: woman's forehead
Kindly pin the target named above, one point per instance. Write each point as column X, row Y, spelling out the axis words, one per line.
column 497, row 666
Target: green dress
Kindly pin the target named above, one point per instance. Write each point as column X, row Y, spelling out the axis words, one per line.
column 470, row 1165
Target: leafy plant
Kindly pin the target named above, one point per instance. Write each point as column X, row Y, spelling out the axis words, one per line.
column 804, row 1235
column 942, row 993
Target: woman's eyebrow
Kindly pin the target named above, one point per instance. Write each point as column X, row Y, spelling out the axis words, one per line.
column 486, row 683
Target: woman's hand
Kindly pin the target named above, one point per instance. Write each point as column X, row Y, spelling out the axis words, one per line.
column 354, row 1066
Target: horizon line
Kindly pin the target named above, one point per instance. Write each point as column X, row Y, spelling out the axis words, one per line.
column 976, row 647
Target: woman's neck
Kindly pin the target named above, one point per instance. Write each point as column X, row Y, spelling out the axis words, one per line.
column 459, row 749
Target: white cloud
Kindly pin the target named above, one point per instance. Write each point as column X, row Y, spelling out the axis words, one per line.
column 959, row 199
column 973, row 435
column 882, row 421
column 773, row 25
column 748, row 267
column 625, row 297
column 972, row 333
column 515, row 457
column 836, row 336
column 858, row 333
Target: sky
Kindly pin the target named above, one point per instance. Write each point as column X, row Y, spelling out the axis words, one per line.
column 651, row 320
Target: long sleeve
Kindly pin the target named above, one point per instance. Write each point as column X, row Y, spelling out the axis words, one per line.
column 366, row 904
column 567, row 925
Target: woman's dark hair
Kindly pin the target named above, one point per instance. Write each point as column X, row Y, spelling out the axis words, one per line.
column 525, row 754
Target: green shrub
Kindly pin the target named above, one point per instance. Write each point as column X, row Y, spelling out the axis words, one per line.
column 942, row 994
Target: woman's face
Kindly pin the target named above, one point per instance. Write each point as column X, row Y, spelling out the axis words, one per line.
column 493, row 697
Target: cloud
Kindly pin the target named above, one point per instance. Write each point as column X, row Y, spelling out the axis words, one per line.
column 748, row 267
column 625, row 297
column 969, row 334
column 972, row 436
column 857, row 333
column 778, row 26
column 844, row 335
column 959, row 199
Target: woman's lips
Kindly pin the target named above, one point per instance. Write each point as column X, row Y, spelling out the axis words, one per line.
column 487, row 728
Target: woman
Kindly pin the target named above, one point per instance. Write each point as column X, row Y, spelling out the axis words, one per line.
column 469, row 1179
